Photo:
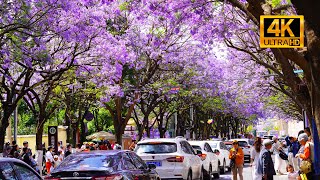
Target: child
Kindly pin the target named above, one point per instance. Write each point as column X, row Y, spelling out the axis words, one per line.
column 291, row 174
column 56, row 161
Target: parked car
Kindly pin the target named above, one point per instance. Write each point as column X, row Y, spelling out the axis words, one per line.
column 174, row 157
column 210, row 162
column 11, row 168
column 223, row 157
column 246, row 145
column 228, row 144
column 111, row 164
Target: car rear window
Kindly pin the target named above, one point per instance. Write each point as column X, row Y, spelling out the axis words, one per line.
column 156, row 148
column 196, row 147
column 213, row 145
column 243, row 143
column 89, row 162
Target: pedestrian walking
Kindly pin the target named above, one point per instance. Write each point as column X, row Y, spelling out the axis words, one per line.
column 26, row 156
column 293, row 149
column 237, row 157
column 68, row 151
column 26, row 145
column 265, row 164
column 276, row 147
column 255, row 154
column 306, row 155
column 49, row 159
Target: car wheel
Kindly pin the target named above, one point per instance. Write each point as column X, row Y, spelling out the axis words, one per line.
column 216, row 175
column 202, row 173
column 210, row 173
column 223, row 168
column 189, row 175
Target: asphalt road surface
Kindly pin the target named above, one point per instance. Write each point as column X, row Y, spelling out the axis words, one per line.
column 246, row 173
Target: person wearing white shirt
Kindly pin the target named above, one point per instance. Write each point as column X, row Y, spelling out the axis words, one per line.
column 255, row 154
column 279, row 163
column 49, row 159
column 57, row 161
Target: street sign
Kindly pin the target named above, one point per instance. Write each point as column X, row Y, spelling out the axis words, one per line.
column 53, row 137
column 298, row 71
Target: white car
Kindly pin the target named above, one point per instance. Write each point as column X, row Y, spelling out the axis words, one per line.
column 223, row 157
column 210, row 163
column 174, row 157
column 246, row 145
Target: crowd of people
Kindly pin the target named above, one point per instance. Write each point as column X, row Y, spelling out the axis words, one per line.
column 23, row 153
column 298, row 160
column 53, row 158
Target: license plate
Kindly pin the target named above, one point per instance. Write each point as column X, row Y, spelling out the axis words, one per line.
column 157, row 163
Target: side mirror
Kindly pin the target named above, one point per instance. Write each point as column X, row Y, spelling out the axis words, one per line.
column 199, row 152
column 152, row 166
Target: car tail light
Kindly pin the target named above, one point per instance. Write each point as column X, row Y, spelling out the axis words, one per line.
column 136, row 178
column 202, row 156
column 109, row 177
column 175, row 159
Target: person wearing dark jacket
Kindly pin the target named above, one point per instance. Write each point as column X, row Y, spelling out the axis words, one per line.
column 293, row 149
column 26, row 156
column 68, row 151
column 265, row 164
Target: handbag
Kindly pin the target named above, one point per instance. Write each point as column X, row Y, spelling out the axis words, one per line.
column 305, row 167
column 283, row 155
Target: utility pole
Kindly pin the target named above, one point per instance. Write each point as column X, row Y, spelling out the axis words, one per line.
column 192, row 123
column 15, row 120
column 175, row 123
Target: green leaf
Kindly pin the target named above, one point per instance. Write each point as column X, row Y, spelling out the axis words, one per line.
column 124, row 6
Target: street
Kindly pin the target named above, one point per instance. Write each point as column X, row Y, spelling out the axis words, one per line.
column 246, row 173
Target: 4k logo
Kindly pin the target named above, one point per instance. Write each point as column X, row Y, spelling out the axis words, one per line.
column 281, row 31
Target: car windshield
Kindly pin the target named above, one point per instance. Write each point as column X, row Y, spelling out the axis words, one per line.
column 156, row 148
column 196, row 147
column 229, row 146
column 243, row 143
column 78, row 162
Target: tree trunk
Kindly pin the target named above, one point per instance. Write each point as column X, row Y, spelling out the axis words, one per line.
column 119, row 131
column 146, row 122
column 140, row 131
column 83, row 130
column 3, row 126
column 39, row 134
